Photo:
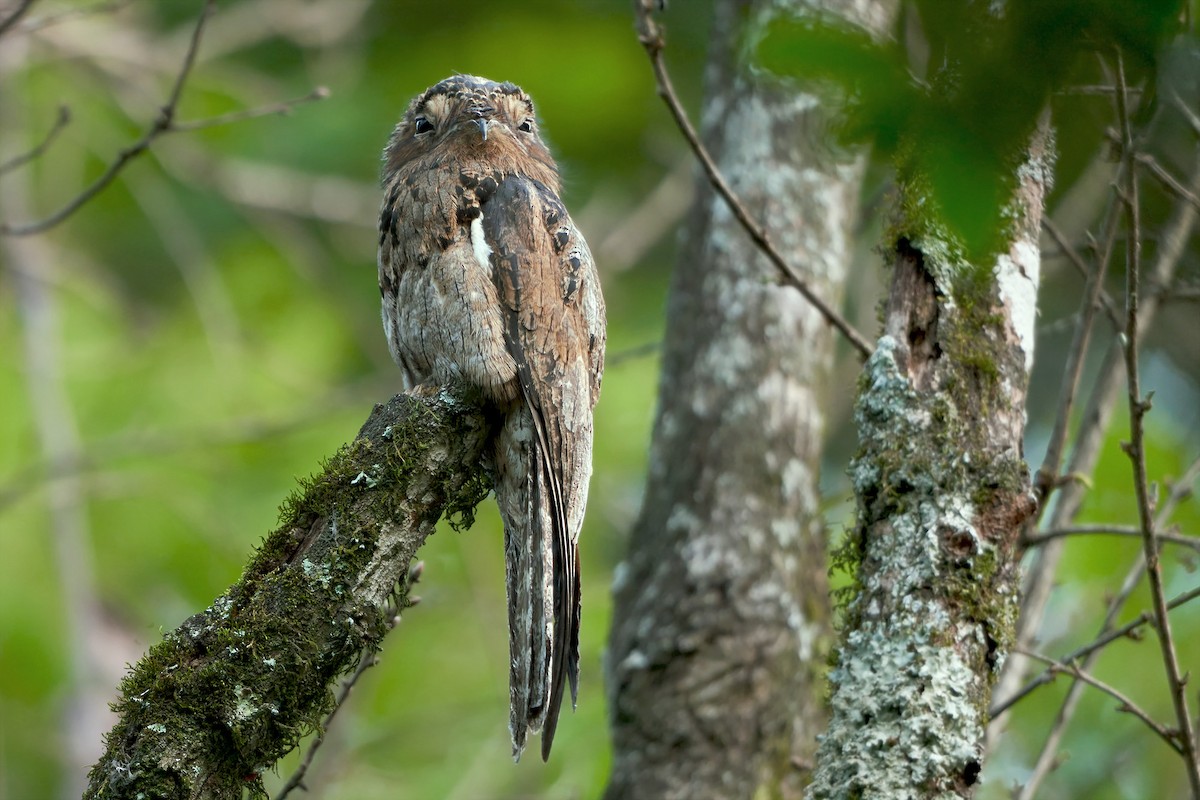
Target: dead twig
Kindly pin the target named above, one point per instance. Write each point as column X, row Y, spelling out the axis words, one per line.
column 1126, row 704
column 284, row 107
column 1169, row 181
column 1037, row 539
column 64, row 117
column 1046, row 479
column 15, row 15
column 1138, row 408
column 47, row 20
column 1128, row 630
column 1110, row 308
column 163, row 124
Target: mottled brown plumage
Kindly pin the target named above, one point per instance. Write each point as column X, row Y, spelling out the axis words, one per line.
column 485, row 279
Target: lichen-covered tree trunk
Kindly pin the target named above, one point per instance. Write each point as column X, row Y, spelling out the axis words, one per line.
column 716, row 652
column 942, row 491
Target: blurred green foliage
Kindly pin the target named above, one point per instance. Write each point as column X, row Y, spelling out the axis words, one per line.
column 962, row 117
column 212, row 320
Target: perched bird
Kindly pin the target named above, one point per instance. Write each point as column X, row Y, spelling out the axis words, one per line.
column 485, row 280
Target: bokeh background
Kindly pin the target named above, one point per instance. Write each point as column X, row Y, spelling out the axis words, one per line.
column 207, row 329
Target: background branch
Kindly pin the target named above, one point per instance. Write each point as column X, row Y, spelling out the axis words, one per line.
column 163, row 124
column 1136, row 448
column 60, row 122
column 1127, row 704
column 14, row 16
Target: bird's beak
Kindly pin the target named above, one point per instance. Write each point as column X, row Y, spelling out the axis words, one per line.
column 483, row 126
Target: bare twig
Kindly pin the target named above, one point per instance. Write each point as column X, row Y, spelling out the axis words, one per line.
column 651, row 37
column 1179, row 491
column 643, row 224
column 46, row 20
column 1138, row 407
column 1081, row 266
column 633, row 353
column 1186, row 110
column 284, row 107
column 1087, row 447
column 1107, row 530
column 104, row 452
column 1046, row 479
column 64, row 117
column 1128, row 629
column 1127, row 704
column 1101, row 89
column 1179, row 294
column 163, row 124
column 54, row 420
column 1089, row 437
column 1172, row 184
column 1047, row 758
column 15, row 15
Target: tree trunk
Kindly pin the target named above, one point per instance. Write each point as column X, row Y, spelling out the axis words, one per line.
column 942, row 491
column 721, row 615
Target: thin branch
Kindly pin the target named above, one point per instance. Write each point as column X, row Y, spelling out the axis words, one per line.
column 633, row 353
column 15, row 15
column 165, row 123
column 284, row 108
column 651, row 37
column 161, row 125
column 1094, row 89
column 1037, row 539
column 46, row 20
column 1179, row 491
column 1081, row 266
column 55, row 421
column 1129, row 629
column 1188, row 113
column 1179, row 294
column 1160, row 173
column 1048, row 757
column 1136, row 447
column 1126, row 703
column 1047, row 475
column 1090, row 436
column 63, row 119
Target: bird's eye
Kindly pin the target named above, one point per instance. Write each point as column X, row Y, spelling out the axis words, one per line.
column 422, row 125
column 526, row 126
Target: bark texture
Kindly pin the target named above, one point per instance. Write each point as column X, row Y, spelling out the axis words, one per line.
column 721, row 614
column 234, row 688
column 942, row 491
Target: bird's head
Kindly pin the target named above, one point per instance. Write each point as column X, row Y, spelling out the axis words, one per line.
column 469, row 119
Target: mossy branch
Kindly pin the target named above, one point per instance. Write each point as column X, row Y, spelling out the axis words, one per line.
column 236, row 686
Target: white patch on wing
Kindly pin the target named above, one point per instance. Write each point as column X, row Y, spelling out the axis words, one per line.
column 479, row 245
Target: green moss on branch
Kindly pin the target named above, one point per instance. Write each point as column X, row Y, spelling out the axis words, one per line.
column 236, row 687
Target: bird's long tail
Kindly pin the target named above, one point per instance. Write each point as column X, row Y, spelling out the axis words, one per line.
column 542, row 581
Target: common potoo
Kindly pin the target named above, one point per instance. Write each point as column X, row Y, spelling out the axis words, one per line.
column 485, row 280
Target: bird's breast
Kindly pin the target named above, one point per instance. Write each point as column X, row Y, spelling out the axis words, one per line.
column 446, row 316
